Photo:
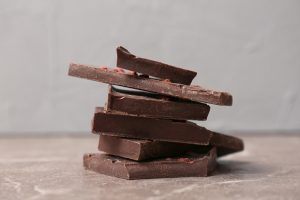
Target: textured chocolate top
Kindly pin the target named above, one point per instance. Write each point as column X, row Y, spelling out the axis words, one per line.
column 193, row 93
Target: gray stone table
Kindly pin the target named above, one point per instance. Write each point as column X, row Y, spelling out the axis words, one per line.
column 51, row 168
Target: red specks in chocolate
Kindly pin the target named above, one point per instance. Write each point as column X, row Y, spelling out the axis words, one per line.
column 104, row 68
column 166, row 80
column 186, row 160
column 121, row 70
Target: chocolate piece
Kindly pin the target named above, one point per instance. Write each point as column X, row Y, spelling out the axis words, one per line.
column 131, row 62
column 149, row 128
column 193, row 93
column 153, row 105
column 117, row 124
column 197, row 165
column 226, row 144
column 144, row 149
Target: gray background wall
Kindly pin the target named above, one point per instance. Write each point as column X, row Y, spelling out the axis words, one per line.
column 249, row 48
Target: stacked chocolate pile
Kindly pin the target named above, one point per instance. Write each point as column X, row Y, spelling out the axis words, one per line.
column 145, row 131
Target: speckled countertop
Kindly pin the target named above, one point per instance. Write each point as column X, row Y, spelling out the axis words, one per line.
column 51, row 168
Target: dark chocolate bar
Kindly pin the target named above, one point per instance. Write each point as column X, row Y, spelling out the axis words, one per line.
column 193, row 93
column 117, row 124
column 192, row 165
column 144, row 149
column 153, row 105
column 149, row 128
column 131, row 62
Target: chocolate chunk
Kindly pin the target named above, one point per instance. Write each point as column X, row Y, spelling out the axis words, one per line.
column 193, row 165
column 122, row 125
column 149, row 128
column 153, row 105
column 144, row 149
column 226, row 144
column 193, row 93
column 131, row 62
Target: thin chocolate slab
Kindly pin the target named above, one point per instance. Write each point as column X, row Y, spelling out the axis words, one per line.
column 144, row 149
column 193, row 93
column 193, row 165
column 149, row 128
column 154, row 105
column 131, row 62
column 117, row 124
